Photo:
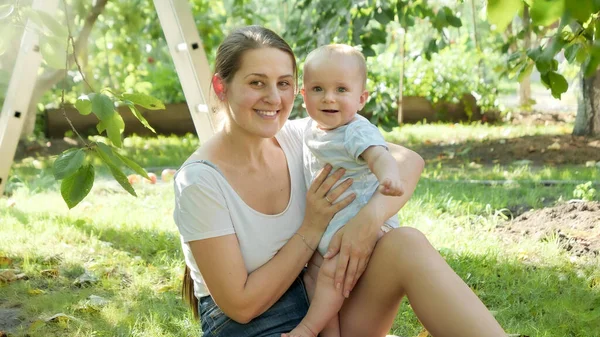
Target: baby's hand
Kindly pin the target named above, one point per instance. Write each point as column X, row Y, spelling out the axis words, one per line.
column 391, row 187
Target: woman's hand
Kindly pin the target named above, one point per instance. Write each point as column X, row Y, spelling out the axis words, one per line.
column 355, row 243
column 321, row 203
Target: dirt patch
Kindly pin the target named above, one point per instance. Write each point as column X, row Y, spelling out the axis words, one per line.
column 575, row 225
column 9, row 319
column 535, row 150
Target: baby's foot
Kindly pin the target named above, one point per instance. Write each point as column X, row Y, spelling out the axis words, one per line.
column 391, row 187
column 300, row 331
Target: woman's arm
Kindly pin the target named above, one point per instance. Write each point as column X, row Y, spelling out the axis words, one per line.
column 243, row 296
column 356, row 240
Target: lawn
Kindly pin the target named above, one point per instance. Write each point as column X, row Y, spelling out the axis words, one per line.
column 130, row 246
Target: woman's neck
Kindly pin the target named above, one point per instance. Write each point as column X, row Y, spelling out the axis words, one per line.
column 242, row 148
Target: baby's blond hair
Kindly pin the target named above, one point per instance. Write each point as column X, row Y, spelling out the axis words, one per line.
column 340, row 49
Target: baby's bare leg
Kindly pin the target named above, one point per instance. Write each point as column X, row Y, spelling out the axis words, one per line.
column 326, row 301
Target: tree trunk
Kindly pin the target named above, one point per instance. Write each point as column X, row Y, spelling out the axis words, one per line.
column 525, row 84
column 50, row 78
column 587, row 122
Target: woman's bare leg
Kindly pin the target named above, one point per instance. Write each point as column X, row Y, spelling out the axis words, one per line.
column 405, row 263
column 325, row 301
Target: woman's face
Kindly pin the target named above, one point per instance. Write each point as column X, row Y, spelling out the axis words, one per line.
column 261, row 93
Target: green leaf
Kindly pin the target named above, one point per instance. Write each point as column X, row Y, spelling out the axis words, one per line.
column 383, row 16
column 139, row 116
column 68, row 163
column 558, row 84
column 54, row 51
column 534, row 53
column 59, row 30
column 452, row 20
column 546, row 12
column 103, row 107
column 119, row 176
column 525, row 71
column 501, row 12
column 111, row 154
column 132, row 165
column 145, row 101
column 114, row 127
column 45, row 20
column 107, row 153
column 580, row 10
column 84, row 105
column 77, row 186
column 582, row 55
column 591, row 65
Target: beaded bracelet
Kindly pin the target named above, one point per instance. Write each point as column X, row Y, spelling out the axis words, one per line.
column 305, row 242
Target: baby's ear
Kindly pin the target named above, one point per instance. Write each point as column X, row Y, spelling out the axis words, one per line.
column 363, row 99
column 302, row 92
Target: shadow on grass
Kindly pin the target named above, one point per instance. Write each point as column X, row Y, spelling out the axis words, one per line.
column 145, row 243
column 528, row 299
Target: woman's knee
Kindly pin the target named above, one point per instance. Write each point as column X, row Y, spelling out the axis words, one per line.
column 404, row 244
column 405, row 237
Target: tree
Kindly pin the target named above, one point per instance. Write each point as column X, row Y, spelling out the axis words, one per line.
column 574, row 30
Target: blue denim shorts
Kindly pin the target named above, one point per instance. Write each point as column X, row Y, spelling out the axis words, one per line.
column 282, row 317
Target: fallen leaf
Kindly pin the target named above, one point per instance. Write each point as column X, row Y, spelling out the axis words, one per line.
column 164, row 289
column 595, row 143
column 5, row 261
column 85, row 279
column 7, row 275
column 423, row 333
column 35, row 325
column 35, row 292
column 92, row 303
column 49, row 272
column 554, row 146
column 61, row 318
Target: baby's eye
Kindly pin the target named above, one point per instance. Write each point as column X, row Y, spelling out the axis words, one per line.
column 342, row 89
column 317, row 89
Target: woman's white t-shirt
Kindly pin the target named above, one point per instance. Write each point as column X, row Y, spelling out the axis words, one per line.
column 206, row 206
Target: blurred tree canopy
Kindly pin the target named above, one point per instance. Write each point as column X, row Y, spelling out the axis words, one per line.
column 449, row 48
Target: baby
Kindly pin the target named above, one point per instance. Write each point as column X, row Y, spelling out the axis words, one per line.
column 334, row 91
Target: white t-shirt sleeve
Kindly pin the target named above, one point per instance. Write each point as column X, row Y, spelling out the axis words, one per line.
column 201, row 211
column 360, row 135
column 293, row 132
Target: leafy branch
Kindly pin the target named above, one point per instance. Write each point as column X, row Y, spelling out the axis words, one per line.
column 75, row 167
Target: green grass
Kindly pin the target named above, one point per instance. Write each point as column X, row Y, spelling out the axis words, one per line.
column 411, row 135
column 534, row 288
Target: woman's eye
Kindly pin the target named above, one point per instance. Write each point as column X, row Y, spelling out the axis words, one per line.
column 284, row 84
column 257, row 83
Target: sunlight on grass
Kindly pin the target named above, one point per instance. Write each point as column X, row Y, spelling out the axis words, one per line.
column 443, row 134
column 132, row 246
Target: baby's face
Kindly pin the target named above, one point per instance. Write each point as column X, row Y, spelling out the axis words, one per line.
column 333, row 90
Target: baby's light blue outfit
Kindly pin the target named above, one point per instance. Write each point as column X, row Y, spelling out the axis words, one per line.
column 342, row 147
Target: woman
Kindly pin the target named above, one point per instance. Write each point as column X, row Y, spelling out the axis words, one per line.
column 249, row 226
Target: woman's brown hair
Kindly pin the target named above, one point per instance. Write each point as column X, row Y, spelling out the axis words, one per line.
column 227, row 63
